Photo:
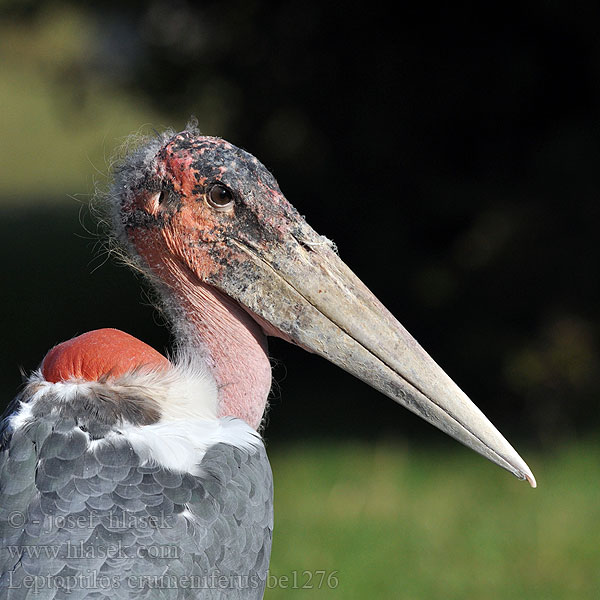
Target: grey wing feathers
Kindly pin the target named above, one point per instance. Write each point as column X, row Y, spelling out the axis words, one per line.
column 83, row 521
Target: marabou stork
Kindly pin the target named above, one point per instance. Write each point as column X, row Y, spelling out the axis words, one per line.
column 125, row 474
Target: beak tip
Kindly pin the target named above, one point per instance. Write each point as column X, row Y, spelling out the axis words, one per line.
column 528, row 475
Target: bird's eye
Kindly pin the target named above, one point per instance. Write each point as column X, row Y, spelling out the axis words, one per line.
column 220, row 197
column 162, row 197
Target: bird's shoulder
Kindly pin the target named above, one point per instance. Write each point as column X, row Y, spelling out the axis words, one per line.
column 143, row 504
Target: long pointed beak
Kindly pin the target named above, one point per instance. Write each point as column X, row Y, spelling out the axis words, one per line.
column 302, row 291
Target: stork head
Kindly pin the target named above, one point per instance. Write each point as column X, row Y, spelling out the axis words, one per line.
column 205, row 203
column 210, row 226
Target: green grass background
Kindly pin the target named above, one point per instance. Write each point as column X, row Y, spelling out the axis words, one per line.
column 403, row 522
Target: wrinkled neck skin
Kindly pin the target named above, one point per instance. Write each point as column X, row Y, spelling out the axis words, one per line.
column 229, row 341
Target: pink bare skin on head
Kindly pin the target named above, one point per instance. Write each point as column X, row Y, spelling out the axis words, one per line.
column 97, row 354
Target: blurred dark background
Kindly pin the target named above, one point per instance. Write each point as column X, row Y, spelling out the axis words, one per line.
column 451, row 153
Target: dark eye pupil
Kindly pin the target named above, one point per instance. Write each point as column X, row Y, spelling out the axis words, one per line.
column 220, row 195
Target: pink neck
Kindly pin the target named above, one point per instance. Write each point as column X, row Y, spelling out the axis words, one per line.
column 234, row 346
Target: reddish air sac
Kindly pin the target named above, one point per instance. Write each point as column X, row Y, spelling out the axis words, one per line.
column 99, row 353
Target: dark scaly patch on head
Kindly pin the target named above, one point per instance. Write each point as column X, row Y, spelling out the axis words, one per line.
column 164, row 208
column 258, row 199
